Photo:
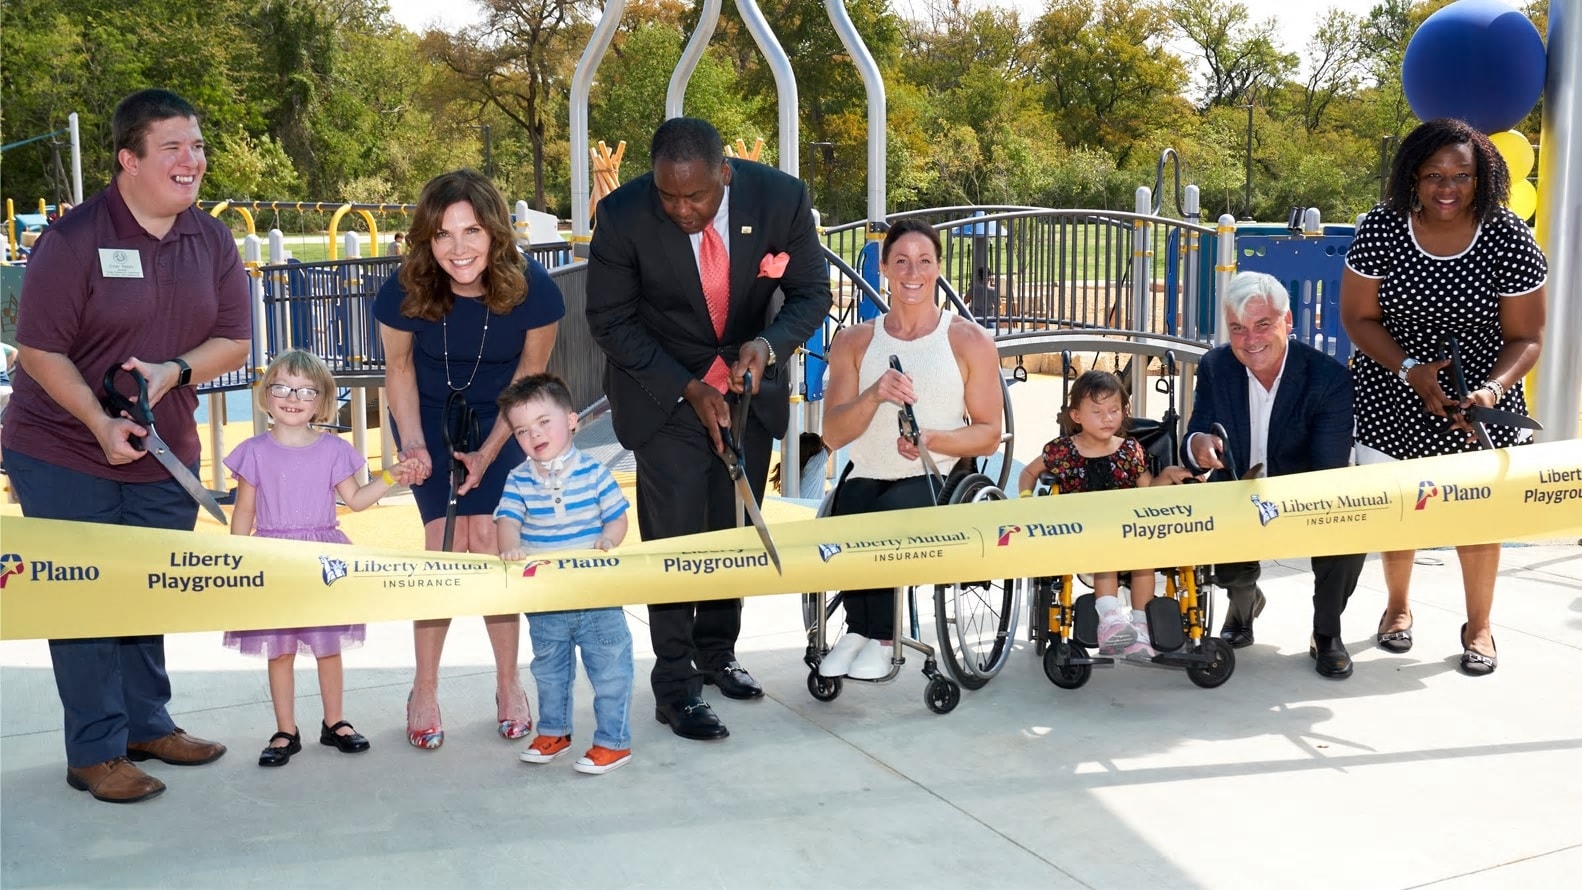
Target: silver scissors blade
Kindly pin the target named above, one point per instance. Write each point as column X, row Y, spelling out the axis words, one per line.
column 757, row 519
column 173, row 466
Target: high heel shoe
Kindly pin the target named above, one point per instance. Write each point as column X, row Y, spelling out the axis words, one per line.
column 429, row 739
column 511, row 728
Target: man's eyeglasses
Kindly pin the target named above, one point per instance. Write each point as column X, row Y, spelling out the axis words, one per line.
column 1459, row 180
column 302, row 393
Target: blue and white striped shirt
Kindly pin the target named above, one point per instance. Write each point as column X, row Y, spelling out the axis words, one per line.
column 561, row 506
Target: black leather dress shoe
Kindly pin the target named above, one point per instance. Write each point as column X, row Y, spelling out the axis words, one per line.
column 1237, row 634
column 350, row 743
column 734, row 681
column 1237, row 629
column 691, row 718
column 1330, row 657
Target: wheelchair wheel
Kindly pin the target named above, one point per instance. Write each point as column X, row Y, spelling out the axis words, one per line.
column 976, row 620
column 1067, row 676
column 1217, row 671
column 942, row 696
column 831, row 609
column 821, row 687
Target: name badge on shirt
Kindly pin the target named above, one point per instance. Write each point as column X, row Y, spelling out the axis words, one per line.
column 116, row 262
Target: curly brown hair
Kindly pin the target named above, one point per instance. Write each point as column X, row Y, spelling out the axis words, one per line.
column 428, row 294
column 1494, row 178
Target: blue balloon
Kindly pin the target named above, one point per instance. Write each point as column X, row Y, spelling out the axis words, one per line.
column 1478, row 60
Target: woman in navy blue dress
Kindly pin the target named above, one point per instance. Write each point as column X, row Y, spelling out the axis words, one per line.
column 468, row 315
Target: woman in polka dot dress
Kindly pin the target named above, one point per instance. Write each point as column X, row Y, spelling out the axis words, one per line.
column 1441, row 255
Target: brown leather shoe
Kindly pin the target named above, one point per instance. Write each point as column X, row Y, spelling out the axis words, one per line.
column 177, row 749
column 116, row 780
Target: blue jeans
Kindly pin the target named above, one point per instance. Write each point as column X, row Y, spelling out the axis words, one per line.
column 113, row 690
column 606, row 645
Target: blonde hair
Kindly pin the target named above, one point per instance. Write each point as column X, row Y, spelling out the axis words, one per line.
column 301, row 364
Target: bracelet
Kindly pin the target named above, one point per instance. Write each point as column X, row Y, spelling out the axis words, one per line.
column 769, row 346
column 1496, row 387
column 389, row 479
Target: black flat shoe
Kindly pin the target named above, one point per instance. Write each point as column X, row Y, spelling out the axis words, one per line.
column 350, row 743
column 734, row 681
column 1475, row 663
column 691, row 718
column 1330, row 657
column 1396, row 641
column 1237, row 629
column 280, row 756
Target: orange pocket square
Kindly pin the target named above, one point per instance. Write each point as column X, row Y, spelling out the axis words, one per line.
column 773, row 265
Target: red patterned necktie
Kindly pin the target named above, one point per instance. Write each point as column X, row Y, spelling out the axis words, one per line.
column 714, row 267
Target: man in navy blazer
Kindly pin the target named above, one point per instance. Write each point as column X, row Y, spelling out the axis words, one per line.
column 1287, row 406
column 647, row 312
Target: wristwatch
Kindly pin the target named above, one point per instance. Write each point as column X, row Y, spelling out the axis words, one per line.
column 1408, row 364
column 186, row 372
column 769, row 346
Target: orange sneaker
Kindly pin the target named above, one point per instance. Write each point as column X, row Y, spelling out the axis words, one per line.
column 600, row 760
column 546, row 748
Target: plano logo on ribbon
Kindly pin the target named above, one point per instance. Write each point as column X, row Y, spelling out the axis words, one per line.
column 1428, row 492
column 1036, row 530
column 334, row 569
column 531, row 569
column 10, row 564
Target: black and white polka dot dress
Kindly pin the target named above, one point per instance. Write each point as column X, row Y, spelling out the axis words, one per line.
column 1423, row 298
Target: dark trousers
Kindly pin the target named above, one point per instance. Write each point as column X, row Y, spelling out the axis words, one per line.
column 871, row 612
column 113, row 690
column 1334, row 580
column 684, row 489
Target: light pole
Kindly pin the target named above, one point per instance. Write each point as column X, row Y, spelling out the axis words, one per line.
column 1246, row 198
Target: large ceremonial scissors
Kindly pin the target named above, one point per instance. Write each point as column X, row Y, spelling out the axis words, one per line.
column 736, row 464
column 1475, row 414
column 906, row 419
column 141, row 414
column 461, row 435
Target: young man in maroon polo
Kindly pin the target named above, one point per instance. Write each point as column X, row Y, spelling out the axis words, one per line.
column 135, row 277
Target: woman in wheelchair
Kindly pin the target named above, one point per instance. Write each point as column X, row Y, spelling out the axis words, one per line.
column 1093, row 454
column 952, row 382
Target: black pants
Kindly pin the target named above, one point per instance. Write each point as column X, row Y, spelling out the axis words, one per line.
column 871, row 612
column 684, row 489
column 1334, row 579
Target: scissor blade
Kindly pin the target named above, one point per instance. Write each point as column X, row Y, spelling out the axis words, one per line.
column 173, row 466
column 1483, row 435
column 757, row 519
column 1501, row 417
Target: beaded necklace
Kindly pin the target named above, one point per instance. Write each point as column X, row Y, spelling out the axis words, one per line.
column 444, row 326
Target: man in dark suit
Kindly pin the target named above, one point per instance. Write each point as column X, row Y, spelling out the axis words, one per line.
column 1287, row 406
column 677, row 336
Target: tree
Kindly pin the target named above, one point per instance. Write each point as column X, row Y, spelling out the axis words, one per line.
column 1237, row 54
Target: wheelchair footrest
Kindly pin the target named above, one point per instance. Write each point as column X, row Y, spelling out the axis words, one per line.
column 1164, row 624
column 1085, row 627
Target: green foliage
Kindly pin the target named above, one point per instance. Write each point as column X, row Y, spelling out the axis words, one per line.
column 329, row 100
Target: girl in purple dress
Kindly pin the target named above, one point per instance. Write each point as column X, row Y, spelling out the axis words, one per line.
column 287, row 481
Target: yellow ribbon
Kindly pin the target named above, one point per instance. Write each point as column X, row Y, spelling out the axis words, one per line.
column 69, row 579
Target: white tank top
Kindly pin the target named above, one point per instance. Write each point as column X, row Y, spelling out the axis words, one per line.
column 941, row 400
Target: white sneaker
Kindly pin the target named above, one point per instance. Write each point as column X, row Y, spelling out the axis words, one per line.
column 838, row 661
column 1116, row 632
column 872, row 663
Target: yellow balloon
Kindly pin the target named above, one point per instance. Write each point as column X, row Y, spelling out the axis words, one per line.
column 1524, row 199
column 1517, row 152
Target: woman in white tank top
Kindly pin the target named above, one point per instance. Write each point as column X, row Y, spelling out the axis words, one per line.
column 952, row 382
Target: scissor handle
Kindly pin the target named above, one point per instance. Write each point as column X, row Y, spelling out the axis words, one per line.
column 1225, row 457
column 116, row 403
column 906, row 418
column 1457, row 377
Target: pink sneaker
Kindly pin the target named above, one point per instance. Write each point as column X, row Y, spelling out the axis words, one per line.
column 1115, row 632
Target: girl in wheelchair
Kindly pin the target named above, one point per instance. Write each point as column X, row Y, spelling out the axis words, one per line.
column 952, row 383
column 1094, row 454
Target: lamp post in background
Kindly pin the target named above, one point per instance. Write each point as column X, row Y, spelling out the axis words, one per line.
column 827, row 161
column 1246, row 199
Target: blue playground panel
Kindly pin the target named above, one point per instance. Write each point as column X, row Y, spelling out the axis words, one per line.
column 1310, row 268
